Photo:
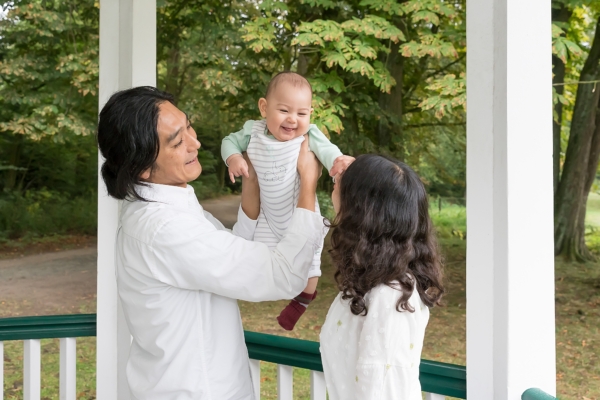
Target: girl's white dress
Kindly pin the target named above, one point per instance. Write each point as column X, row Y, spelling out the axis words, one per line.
column 376, row 356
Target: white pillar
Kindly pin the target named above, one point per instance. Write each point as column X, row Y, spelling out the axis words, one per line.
column 127, row 59
column 510, row 251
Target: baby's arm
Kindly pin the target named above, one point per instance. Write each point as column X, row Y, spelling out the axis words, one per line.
column 328, row 153
column 232, row 148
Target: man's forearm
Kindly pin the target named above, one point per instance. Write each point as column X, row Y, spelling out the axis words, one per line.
column 250, row 197
column 306, row 199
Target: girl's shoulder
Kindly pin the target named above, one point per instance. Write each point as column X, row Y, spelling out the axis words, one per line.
column 387, row 295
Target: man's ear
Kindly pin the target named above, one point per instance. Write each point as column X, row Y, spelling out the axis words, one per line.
column 262, row 106
column 145, row 175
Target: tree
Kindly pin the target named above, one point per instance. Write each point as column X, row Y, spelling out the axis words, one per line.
column 581, row 162
column 388, row 76
column 561, row 13
column 48, row 76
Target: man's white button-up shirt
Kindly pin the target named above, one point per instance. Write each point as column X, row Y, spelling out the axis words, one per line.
column 179, row 274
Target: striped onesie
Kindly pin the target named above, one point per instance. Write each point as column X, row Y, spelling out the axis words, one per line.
column 275, row 164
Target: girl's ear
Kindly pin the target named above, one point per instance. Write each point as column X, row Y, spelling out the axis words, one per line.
column 311, row 110
column 145, row 175
column 262, row 106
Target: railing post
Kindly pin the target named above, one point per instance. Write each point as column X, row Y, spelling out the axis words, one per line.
column 1, row 370
column 434, row 396
column 32, row 369
column 255, row 375
column 68, row 370
column 285, row 382
column 318, row 390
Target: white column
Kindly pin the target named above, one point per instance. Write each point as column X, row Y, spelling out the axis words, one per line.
column 510, row 251
column 127, row 59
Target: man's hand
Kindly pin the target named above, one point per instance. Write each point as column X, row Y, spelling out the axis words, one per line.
column 340, row 164
column 309, row 169
column 237, row 167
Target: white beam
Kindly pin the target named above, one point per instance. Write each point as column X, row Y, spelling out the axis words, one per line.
column 127, row 59
column 510, row 251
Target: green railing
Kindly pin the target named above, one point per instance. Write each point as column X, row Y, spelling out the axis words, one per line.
column 436, row 378
column 47, row 327
column 536, row 394
column 439, row 378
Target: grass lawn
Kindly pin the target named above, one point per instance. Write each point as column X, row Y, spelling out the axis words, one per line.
column 577, row 325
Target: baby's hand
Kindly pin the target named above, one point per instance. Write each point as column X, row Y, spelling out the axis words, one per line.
column 340, row 164
column 237, row 167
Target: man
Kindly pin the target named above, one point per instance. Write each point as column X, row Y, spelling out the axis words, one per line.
column 179, row 271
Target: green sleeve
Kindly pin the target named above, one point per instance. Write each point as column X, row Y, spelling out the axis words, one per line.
column 325, row 151
column 236, row 143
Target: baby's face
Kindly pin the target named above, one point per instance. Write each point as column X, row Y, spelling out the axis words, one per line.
column 287, row 111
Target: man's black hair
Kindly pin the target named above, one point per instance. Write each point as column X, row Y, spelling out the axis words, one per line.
column 128, row 138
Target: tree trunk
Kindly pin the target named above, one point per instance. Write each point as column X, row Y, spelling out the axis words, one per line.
column 222, row 174
column 14, row 159
column 591, row 170
column 581, row 157
column 560, row 14
column 391, row 104
column 302, row 64
column 172, row 79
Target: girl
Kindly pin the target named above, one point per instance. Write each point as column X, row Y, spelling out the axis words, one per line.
column 389, row 273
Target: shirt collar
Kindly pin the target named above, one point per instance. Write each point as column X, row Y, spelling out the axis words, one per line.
column 173, row 195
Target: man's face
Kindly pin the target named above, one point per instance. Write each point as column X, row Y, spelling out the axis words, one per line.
column 177, row 161
column 287, row 111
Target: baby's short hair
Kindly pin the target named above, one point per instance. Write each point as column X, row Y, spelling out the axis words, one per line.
column 290, row 77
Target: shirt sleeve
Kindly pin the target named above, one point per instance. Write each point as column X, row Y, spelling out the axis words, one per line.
column 385, row 365
column 244, row 227
column 325, row 151
column 236, row 143
column 196, row 256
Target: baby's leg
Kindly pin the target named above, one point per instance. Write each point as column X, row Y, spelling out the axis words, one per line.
column 311, row 286
column 294, row 310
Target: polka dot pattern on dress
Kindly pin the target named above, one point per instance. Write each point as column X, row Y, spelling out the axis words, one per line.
column 374, row 356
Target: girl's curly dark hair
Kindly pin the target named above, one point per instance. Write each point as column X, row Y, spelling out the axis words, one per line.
column 382, row 234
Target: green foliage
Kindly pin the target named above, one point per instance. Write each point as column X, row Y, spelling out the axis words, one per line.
column 45, row 212
column 449, row 218
column 571, row 43
column 451, row 93
column 563, row 47
column 217, row 57
column 49, row 69
column 326, row 205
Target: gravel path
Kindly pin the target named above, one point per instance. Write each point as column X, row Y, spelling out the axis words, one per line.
column 65, row 282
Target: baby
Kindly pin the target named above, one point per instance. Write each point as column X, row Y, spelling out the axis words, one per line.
column 273, row 145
